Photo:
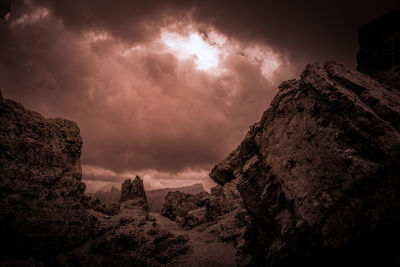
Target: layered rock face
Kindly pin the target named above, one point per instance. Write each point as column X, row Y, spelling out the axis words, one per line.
column 319, row 175
column 133, row 194
column 40, row 184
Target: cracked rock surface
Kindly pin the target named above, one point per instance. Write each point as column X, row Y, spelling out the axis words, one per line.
column 319, row 175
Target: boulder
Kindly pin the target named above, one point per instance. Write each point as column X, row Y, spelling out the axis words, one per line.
column 156, row 197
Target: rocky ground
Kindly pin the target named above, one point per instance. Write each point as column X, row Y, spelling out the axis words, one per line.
column 205, row 249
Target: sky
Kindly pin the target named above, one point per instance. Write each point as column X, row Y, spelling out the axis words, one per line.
column 166, row 89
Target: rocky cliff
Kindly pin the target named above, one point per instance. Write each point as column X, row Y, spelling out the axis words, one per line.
column 44, row 216
column 319, row 174
column 40, row 184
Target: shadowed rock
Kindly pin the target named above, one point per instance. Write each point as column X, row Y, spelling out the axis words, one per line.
column 41, row 194
column 156, row 197
column 45, row 218
column 133, row 194
column 319, row 174
column 105, row 196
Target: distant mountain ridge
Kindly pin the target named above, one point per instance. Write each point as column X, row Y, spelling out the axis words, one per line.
column 112, row 195
column 155, row 197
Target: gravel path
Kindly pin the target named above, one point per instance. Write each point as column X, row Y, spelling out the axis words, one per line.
column 206, row 249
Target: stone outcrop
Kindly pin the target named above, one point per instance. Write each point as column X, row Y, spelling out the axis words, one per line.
column 133, row 194
column 221, row 213
column 319, row 175
column 130, row 238
column 44, row 216
column 108, row 208
column 40, row 185
column 186, row 209
column 156, row 197
column 106, row 196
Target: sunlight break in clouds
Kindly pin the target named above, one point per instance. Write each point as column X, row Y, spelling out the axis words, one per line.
column 193, row 46
column 167, row 107
column 209, row 50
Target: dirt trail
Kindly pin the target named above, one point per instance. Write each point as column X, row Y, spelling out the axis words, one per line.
column 206, row 249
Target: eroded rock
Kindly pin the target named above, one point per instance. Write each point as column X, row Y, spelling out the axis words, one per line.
column 45, row 218
column 319, row 174
column 133, row 194
column 41, row 192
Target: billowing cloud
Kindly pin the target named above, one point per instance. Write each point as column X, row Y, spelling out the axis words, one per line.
column 164, row 89
column 165, row 107
column 310, row 30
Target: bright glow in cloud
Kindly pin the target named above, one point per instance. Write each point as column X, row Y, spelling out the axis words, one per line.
column 209, row 50
column 36, row 15
column 265, row 58
column 193, row 46
column 167, row 108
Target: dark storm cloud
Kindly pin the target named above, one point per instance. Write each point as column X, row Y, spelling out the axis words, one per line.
column 306, row 30
column 145, row 110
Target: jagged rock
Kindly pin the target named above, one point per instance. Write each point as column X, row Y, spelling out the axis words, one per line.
column 319, row 175
column 45, row 218
column 41, row 192
column 106, row 196
column 133, row 194
column 156, row 197
column 178, row 204
column 221, row 213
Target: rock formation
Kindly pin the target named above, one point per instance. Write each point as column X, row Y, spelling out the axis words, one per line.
column 156, row 197
column 106, row 196
column 40, row 198
column 133, row 194
column 221, row 213
column 44, row 216
column 319, row 174
column 186, row 209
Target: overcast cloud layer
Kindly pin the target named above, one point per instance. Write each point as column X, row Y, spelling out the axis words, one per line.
column 147, row 103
